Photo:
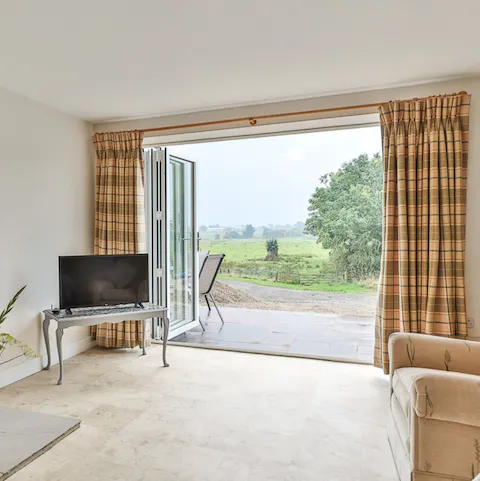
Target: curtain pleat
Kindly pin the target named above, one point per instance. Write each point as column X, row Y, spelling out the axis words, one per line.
column 422, row 279
column 119, row 217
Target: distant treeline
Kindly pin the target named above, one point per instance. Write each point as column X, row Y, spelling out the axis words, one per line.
column 248, row 231
column 277, row 233
column 266, row 233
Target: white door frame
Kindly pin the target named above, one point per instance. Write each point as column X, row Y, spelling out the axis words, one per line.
column 157, row 245
column 161, row 142
column 232, row 133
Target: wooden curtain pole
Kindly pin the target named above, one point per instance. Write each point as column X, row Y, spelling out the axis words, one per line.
column 253, row 120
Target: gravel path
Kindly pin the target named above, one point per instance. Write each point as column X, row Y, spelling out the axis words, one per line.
column 279, row 298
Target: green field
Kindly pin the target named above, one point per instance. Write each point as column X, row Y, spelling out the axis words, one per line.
column 247, row 250
column 297, row 256
column 345, row 287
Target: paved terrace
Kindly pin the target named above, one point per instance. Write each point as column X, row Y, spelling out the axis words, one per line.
column 328, row 336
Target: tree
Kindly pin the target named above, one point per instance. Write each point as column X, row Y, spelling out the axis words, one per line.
column 299, row 225
column 203, row 228
column 272, row 248
column 248, row 232
column 232, row 234
column 270, row 233
column 345, row 214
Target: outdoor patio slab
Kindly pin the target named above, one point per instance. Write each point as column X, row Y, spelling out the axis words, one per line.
column 310, row 348
column 279, row 339
column 306, row 334
column 242, row 346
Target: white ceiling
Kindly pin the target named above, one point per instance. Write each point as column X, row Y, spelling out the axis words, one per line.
column 108, row 59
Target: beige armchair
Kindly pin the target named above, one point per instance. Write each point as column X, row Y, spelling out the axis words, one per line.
column 434, row 422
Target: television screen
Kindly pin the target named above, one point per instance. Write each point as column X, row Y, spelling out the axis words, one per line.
column 88, row 281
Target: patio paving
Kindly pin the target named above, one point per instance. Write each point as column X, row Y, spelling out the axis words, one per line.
column 304, row 334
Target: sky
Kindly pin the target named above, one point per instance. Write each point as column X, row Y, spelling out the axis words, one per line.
column 269, row 180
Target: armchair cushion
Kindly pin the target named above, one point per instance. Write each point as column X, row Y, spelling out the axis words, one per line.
column 403, row 384
column 444, row 396
column 447, row 396
column 432, row 352
column 434, row 422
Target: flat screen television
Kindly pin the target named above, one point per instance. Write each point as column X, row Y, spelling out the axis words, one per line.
column 90, row 281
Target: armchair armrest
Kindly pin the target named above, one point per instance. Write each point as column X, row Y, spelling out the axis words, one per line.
column 432, row 352
column 447, row 396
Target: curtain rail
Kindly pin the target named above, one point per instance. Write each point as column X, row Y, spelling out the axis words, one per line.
column 253, row 120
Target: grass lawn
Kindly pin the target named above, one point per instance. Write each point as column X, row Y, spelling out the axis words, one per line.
column 345, row 287
column 304, row 249
column 245, row 260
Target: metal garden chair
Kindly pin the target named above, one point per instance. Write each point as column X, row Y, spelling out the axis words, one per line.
column 208, row 274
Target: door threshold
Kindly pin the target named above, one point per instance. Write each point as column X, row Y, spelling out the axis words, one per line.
column 265, row 352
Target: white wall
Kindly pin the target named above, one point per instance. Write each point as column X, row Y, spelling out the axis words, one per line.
column 46, row 210
column 471, row 85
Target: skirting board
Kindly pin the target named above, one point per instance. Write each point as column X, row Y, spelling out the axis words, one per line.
column 32, row 366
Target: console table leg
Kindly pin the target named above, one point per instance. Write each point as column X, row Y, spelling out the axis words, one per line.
column 144, row 336
column 46, row 325
column 166, row 328
column 59, row 333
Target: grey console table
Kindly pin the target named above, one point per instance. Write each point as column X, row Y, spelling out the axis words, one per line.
column 94, row 316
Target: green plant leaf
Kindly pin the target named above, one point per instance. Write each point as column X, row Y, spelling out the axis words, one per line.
column 8, row 340
column 6, row 311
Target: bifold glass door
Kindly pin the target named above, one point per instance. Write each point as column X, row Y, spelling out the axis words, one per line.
column 183, row 243
column 173, row 237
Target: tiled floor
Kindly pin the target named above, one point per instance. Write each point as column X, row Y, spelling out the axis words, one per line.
column 327, row 336
column 210, row 416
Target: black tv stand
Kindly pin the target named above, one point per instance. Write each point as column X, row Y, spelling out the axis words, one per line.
column 139, row 305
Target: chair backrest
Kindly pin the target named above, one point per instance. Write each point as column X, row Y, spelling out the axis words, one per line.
column 209, row 273
column 202, row 257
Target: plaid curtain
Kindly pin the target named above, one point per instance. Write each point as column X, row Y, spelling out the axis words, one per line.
column 422, row 281
column 119, row 216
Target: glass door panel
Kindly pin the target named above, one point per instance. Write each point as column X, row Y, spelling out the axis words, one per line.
column 180, row 180
column 172, row 238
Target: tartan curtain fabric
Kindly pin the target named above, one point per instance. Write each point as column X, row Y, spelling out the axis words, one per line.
column 119, row 216
column 422, row 282
column 119, row 201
